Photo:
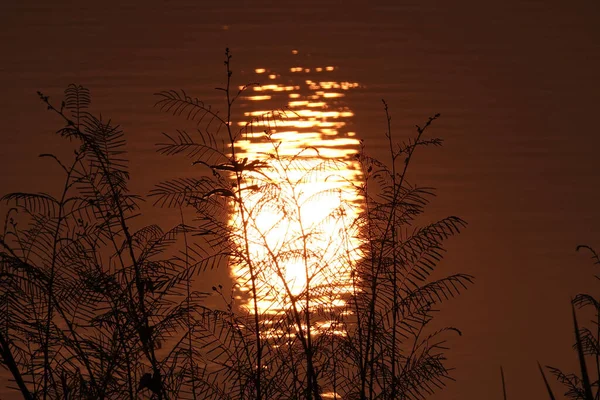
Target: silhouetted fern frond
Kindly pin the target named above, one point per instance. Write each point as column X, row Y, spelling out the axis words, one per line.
column 34, row 202
column 572, row 383
column 204, row 151
column 77, row 101
column 196, row 192
column 191, row 108
column 434, row 293
column 583, row 300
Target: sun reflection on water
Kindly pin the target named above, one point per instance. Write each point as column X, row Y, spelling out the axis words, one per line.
column 301, row 223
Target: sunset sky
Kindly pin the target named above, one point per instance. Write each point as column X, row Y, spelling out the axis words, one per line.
column 516, row 84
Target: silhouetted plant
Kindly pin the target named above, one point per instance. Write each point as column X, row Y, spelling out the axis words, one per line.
column 585, row 385
column 386, row 350
column 92, row 307
column 245, row 188
column 89, row 302
column 393, row 354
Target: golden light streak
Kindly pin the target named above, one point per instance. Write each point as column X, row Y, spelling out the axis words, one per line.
column 275, row 88
column 318, row 189
column 259, row 98
column 298, row 103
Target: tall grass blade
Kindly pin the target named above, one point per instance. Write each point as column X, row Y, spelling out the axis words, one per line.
column 548, row 388
column 587, row 387
column 503, row 383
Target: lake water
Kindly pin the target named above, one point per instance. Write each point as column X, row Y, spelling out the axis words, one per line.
column 515, row 82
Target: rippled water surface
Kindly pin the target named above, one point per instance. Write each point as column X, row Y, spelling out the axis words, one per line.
column 301, row 235
column 515, row 82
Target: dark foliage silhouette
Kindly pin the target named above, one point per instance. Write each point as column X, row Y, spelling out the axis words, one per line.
column 95, row 305
column 586, row 384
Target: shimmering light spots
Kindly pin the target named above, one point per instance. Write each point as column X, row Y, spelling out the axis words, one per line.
column 312, row 85
column 329, row 85
column 258, row 98
column 260, row 70
column 275, row 88
column 313, row 132
column 324, row 114
column 338, row 85
column 348, row 85
column 293, row 135
column 298, row 103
